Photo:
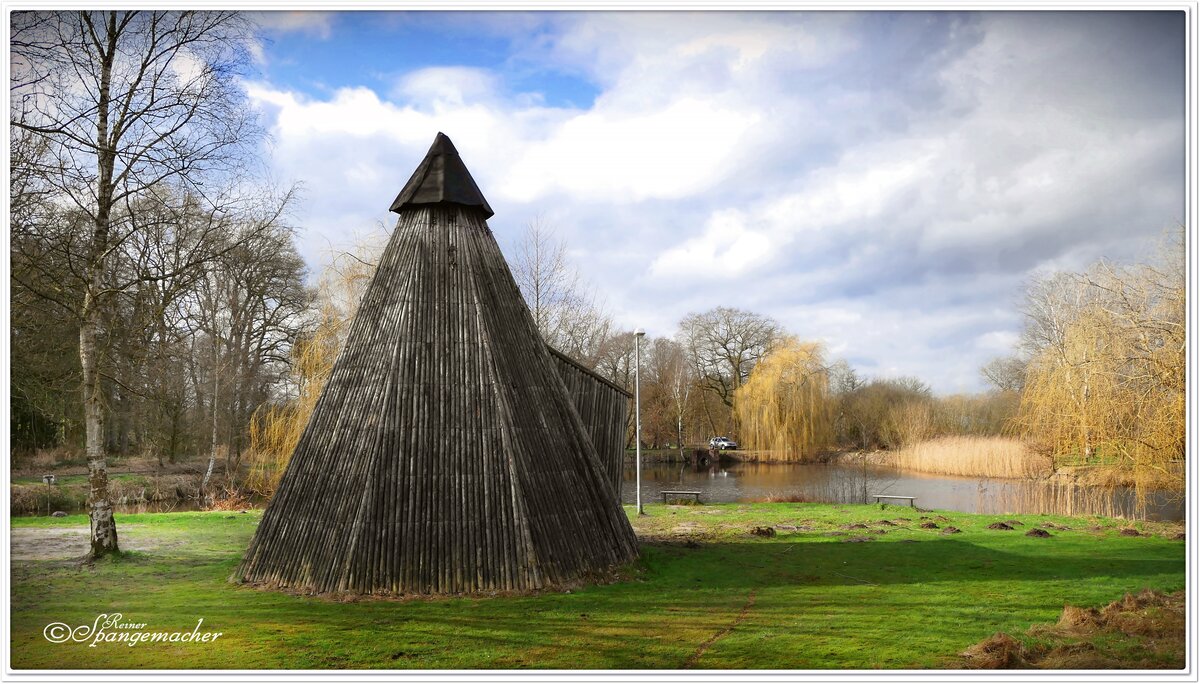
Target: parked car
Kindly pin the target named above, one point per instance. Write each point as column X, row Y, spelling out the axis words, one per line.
column 722, row 443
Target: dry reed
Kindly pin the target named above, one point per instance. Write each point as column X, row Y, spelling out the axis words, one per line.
column 973, row 457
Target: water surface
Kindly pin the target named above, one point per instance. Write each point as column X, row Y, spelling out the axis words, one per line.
column 836, row 483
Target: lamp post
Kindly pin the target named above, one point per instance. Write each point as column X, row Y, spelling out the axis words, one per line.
column 49, row 480
column 637, row 410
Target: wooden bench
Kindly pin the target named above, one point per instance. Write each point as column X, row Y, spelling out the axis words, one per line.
column 912, row 500
column 678, row 494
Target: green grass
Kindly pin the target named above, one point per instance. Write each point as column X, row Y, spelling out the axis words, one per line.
column 130, row 478
column 801, row 599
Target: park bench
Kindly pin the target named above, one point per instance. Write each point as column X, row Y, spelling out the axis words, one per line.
column 679, row 494
column 912, row 500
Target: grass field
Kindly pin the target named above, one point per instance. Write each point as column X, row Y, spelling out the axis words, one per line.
column 707, row 593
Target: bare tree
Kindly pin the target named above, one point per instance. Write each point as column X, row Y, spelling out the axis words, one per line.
column 126, row 102
column 668, row 381
column 251, row 308
column 1052, row 303
column 880, row 413
column 1112, row 387
column 1005, row 373
column 724, row 344
column 564, row 307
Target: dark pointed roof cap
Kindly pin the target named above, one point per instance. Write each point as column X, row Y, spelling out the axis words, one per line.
column 442, row 177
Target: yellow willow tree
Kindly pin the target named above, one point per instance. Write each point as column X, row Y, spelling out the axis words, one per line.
column 785, row 405
column 275, row 428
column 1111, row 389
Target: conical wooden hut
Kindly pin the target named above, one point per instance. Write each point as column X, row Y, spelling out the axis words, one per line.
column 444, row 454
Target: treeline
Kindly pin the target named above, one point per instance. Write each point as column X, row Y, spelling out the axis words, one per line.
column 1099, row 377
column 203, row 309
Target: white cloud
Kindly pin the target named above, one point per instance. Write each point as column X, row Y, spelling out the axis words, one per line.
column 445, row 87
column 608, row 153
column 998, row 342
column 862, row 187
column 727, row 246
column 187, row 66
column 311, row 23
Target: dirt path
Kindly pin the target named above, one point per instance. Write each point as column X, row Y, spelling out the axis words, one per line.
column 67, row 543
column 694, row 659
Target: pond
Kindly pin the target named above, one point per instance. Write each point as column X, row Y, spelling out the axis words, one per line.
column 834, row 483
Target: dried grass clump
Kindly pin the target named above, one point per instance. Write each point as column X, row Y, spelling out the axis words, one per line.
column 997, row 652
column 973, row 457
column 1143, row 630
column 46, row 460
column 231, row 501
column 1084, row 620
column 1078, row 656
column 42, row 459
column 32, row 499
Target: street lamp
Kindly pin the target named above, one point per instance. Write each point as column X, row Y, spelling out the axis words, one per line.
column 49, row 480
column 637, row 410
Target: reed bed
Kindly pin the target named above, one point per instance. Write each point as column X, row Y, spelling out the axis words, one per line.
column 973, row 457
column 1058, row 498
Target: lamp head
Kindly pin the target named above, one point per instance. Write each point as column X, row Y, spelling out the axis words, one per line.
column 639, row 332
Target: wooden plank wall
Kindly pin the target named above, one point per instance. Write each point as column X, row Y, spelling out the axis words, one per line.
column 603, row 407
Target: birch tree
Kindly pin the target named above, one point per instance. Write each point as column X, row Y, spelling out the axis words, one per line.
column 670, row 383
column 124, row 102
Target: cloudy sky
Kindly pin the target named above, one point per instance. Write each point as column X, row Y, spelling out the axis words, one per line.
column 884, row 182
